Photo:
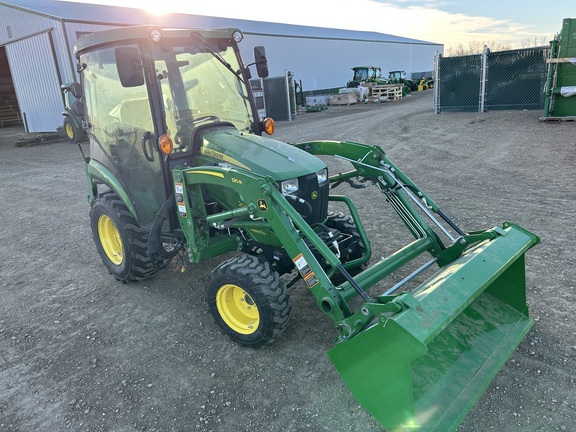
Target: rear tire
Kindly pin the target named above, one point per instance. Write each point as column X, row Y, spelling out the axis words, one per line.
column 248, row 301
column 121, row 243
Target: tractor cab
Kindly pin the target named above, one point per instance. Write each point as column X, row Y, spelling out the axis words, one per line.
column 399, row 77
column 150, row 97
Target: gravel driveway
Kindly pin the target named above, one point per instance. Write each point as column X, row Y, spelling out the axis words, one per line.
column 80, row 352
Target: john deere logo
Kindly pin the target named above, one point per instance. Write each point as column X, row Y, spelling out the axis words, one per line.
column 314, row 195
column 262, row 205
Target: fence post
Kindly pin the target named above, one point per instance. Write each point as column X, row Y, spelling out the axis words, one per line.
column 552, row 70
column 437, row 58
column 484, row 68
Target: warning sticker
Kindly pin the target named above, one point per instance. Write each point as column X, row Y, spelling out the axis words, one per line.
column 182, row 209
column 179, row 189
column 311, row 280
column 305, row 270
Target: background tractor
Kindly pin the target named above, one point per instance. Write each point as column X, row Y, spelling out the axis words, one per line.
column 178, row 169
column 366, row 74
column 72, row 124
column 399, row 77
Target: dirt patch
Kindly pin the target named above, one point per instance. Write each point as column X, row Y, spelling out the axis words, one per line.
column 81, row 352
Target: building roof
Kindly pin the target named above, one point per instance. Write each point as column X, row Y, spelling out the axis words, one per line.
column 114, row 15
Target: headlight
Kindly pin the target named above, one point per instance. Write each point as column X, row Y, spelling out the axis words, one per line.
column 322, row 175
column 289, row 186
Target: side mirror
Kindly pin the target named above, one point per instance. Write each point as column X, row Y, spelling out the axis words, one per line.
column 260, row 61
column 129, row 66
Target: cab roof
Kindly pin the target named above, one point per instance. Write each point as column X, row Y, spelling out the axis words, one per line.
column 134, row 33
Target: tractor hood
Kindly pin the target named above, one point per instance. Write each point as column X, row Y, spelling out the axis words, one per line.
column 258, row 154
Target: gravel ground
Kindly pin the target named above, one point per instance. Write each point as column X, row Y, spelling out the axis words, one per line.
column 80, row 352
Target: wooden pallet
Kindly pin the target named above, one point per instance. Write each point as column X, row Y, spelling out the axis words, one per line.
column 558, row 119
column 383, row 92
column 9, row 115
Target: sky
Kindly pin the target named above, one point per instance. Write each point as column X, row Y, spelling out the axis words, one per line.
column 449, row 22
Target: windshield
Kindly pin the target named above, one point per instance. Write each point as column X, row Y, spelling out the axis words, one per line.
column 200, row 86
column 360, row 74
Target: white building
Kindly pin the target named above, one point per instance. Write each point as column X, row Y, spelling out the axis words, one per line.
column 37, row 39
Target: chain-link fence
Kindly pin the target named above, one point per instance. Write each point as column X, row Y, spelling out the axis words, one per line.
column 505, row 80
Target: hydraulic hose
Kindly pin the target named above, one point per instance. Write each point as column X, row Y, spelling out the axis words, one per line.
column 301, row 201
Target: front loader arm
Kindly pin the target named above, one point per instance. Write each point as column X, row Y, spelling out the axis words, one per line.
column 370, row 163
column 363, row 157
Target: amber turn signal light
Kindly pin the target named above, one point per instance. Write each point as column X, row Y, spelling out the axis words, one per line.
column 165, row 143
column 269, row 125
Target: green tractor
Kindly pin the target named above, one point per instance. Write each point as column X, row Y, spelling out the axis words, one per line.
column 179, row 170
column 366, row 74
column 399, row 77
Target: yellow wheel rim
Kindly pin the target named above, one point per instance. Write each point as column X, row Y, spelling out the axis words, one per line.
column 237, row 309
column 69, row 130
column 110, row 240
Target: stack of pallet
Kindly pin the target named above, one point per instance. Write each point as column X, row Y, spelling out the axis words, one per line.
column 9, row 114
column 386, row 92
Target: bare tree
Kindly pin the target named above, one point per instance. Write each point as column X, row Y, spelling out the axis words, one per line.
column 535, row 41
column 476, row 47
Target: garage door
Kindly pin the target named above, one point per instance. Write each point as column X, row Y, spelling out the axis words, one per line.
column 36, row 82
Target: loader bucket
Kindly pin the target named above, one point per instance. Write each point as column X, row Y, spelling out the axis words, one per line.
column 425, row 368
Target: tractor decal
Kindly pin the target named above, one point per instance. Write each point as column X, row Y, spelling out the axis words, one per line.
column 221, row 156
column 262, row 205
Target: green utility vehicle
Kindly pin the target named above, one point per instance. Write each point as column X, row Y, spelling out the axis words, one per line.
column 179, row 170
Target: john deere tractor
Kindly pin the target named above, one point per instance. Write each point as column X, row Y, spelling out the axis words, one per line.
column 179, row 170
column 366, row 74
column 72, row 124
column 399, row 77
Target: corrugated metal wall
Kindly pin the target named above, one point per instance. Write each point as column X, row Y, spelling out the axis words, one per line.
column 74, row 29
column 327, row 63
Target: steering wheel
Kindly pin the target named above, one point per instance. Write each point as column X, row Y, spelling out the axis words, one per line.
column 184, row 136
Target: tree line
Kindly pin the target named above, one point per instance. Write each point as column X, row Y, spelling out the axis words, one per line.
column 476, row 47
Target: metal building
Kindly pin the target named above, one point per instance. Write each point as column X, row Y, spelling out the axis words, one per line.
column 37, row 38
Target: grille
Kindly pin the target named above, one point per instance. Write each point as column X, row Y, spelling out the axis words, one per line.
column 316, row 196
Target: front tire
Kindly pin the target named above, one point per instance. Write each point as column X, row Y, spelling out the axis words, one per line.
column 121, row 243
column 248, row 301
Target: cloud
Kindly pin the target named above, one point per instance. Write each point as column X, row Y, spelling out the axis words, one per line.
column 425, row 20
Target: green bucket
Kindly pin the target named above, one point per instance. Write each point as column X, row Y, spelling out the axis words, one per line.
column 425, row 368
